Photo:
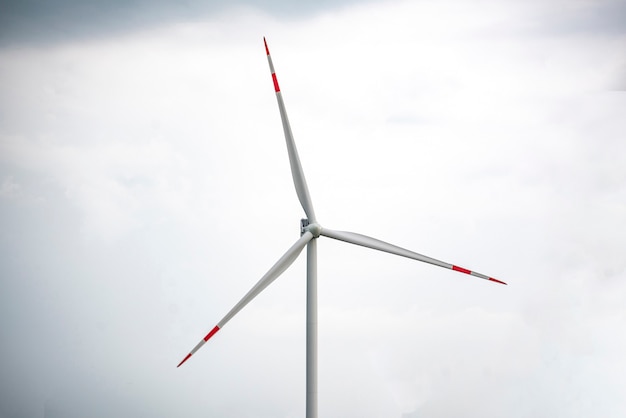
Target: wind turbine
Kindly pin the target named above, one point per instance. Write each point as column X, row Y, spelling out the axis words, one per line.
column 310, row 230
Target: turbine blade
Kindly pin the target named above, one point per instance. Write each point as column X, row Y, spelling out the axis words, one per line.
column 376, row 244
column 277, row 269
column 294, row 161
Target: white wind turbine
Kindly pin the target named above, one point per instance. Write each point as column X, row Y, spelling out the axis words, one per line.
column 311, row 230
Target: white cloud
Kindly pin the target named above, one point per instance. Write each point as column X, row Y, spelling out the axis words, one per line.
column 9, row 187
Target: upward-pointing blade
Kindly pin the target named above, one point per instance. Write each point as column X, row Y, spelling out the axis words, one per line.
column 377, row 244
column 277, row 269
column 294, row 161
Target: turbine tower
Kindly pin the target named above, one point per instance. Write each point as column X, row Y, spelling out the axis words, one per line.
column 310, row 230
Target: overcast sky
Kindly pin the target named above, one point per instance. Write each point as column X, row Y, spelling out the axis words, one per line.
column 145, row 187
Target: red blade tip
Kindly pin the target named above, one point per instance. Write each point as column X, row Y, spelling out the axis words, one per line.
column 184, row 360
column 497, row 281
column 266, row 49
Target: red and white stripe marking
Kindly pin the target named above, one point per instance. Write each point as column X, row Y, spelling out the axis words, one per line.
column 269, row 59
column 200, row 344
column 473, row 273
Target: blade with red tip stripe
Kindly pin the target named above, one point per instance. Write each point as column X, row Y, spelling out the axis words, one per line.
column 277, row 269
column 200, row 344
column 379, row 245
column 294, row 161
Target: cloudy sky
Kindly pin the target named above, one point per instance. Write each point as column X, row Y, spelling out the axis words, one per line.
column 145, row 187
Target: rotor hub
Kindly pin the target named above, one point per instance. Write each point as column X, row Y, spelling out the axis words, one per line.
column 314, row 228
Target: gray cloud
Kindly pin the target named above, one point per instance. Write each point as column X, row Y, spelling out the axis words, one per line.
column 43, row 22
